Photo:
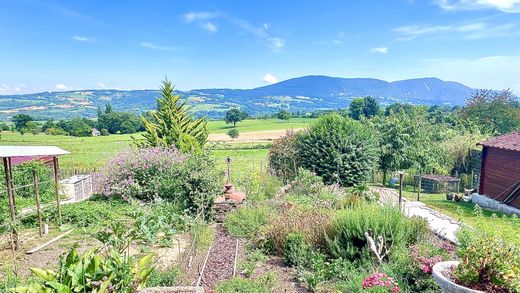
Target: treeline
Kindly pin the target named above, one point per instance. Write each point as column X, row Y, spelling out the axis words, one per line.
column 107, row 122
column 411, row 138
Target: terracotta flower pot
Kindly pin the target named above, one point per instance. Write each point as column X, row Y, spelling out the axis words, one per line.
column 447, row 285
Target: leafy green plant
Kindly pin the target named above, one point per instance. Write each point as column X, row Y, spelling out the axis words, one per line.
column 247, row 221
column 254, row 256
column 92, row 272
column 338, row 149
column 117, row 236
column 166, row 278
column 159, row 223
column 203, row 235
column 263, row 284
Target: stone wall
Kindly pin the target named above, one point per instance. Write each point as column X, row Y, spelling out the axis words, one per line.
column 491, row 204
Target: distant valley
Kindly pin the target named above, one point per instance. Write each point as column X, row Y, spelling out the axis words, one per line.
column 303, row 94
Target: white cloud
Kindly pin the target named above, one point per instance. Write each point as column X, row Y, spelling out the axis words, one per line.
column 261, row 32
column 61, row 86
column 509, row 6
column 469, row 30
column 269, row 78
column 379, row 50
column 82, row 39
column 101, row 85
column 209, row 27
column 276, row 44
column 193, row 16
column 155, row 46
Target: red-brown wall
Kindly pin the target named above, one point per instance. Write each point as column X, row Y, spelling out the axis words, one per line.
column 500, row 170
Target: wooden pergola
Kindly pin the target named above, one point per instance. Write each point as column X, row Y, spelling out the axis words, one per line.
column 14, row 155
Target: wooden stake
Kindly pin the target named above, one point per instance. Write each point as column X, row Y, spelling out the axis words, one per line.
column 38, row 207
column 11, row 181
column 12, row 209
column 57, row 188
column 400, row 189
column 419, row 186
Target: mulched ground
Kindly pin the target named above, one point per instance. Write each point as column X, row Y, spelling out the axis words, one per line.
column 221, row 259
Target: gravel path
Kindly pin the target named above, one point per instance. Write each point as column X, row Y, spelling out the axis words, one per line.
column 221, row 259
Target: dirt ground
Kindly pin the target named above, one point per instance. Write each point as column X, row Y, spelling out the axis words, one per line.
column 252, row 136
column 287, row 282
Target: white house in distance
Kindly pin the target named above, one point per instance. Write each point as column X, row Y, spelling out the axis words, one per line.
column 95, row 132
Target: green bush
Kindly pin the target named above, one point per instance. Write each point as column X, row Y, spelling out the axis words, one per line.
column 149, row 174
column 258, row 186
column 296, row 252
column 338, row 149
column 263, row 284
column 283, row 157
column 347, row 235
column 247, row 221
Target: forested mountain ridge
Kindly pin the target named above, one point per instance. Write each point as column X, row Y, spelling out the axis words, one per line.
column 303, row 94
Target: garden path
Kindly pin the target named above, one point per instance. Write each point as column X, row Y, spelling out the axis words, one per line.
column 441, row 224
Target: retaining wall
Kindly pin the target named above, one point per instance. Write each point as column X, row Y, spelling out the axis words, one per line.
column 491, row 204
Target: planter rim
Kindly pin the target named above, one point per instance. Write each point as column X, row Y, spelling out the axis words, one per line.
column 445, row 283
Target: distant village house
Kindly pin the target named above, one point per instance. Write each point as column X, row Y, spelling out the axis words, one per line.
column 95, row 132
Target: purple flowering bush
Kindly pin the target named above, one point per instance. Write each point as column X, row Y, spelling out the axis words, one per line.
column 156, row 173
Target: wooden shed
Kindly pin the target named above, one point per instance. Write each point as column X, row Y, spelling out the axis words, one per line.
column 500, row 169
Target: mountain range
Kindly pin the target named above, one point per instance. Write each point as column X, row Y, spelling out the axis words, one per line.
column 303, row 94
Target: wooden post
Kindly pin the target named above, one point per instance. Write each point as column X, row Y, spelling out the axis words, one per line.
column 56, row 186
column 400, row 189
column 38, row 206
column 419, row 186
column 11, row 182
column 12, row 208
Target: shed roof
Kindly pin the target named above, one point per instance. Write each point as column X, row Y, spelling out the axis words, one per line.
column 440, row 178
column 31, row 151
column 510, row 142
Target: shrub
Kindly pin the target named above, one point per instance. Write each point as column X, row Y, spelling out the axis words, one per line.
column 486, row 258
column 283, row 157
column 296, row 252
column 314, row 224
column 150, row 174
column 247, row 221
column 348, row 227
column 263, row 284
column 338, row 149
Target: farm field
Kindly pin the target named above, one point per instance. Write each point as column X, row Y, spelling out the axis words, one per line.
column 92, row 152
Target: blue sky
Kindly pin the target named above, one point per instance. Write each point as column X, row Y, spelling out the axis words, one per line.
column 61, row 45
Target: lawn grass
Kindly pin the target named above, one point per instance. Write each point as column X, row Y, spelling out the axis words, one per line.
column 464, row 212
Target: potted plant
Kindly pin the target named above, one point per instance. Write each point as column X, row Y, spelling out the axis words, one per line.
column 487, row 264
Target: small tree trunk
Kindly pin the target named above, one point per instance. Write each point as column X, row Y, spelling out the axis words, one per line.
column 384, row 177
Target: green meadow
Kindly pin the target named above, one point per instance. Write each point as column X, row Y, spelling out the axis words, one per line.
column 92, row 152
